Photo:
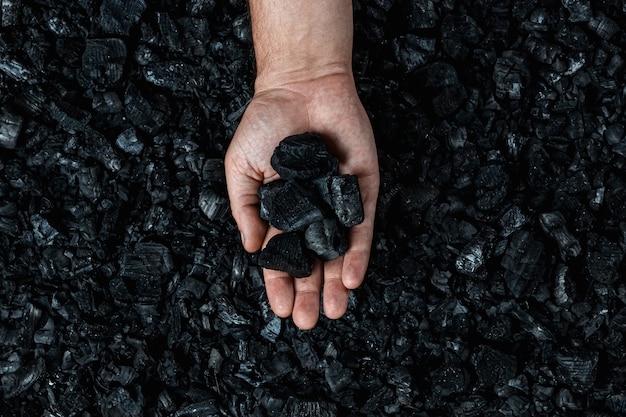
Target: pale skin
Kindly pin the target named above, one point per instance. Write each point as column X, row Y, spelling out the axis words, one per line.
column 304, row 83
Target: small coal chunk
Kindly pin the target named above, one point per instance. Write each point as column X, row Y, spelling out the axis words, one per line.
column 129, row 143
column 579, row 10
column 493, row 366
column 603, row 258
column 327, row 239
column 116, row 17
column 413, row 51
column 523, row 262
column 553, row 223
column 289, row 206
column 577, row 369
column 604, row 26
column 303, row 156
column 286, row 252
column 10, row 127
column 346, row 198
column 102, row 63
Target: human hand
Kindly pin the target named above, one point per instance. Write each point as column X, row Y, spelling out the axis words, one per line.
column 329, row 106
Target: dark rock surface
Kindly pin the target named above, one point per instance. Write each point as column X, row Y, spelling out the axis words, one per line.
column 496, row 283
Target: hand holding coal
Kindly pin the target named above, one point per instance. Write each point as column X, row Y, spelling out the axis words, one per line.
column 311, row 203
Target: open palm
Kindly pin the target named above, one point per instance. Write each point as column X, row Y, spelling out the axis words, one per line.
column 330, row 107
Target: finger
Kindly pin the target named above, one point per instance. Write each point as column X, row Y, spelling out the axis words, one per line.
column 306, row 307
column 335, row 292
column 360, row 236
column 242, row 192
column 278, row 285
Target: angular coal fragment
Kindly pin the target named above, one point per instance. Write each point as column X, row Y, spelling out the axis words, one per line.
column 10, row 127
column 303, row 156
column 129, row 143
column 450, row 378
column 116, row 17
column 523, row 262
column 458, row 34
column 603, row 258
column 213, row 205
column 412, row 51
column 288, row 206
column 102, row 63
column 493, row 366
column 15, row 383
column 510, row 75
column 286, row 252
column 346, row 199
column 9, row 12
column 579, row 10
column 604, row 26
column 327, row 239
column 577, row 369
column 492, row 182
column 553, row 223
column 512, row 220
column 175, row 75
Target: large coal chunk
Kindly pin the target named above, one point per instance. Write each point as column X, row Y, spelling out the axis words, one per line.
column 117, row 17
column 102, row 63
column 10, row 127
column 286, row 252
column 327, row 239
column 603, row 258
column 288, row 206
column 577, row 369
column 346, row 199
column 553, row 224
column 493, row 366
column 303, row 156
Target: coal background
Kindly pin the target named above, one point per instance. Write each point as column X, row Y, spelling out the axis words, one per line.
column 496, row 284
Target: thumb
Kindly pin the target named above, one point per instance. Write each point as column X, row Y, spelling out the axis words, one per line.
column 244, row 200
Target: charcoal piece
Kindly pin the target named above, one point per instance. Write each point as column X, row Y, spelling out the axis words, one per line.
column 420, row 14
column 510, row 75
column 120, row 403
column 286, row 252
column 303, row 156
column 418, row 198
column 564, row 286
column 15, row 383
column 9, row 12
column 128, row 142
column 577, row 369
column 10, row 127
column 213, row 205
column 603, row 258
column 493, row 366
column 523, row 262
column 43, row 232
column 492, row 182
column 200, row 7
column 553, row 224
column 148, row 116
column 338, row 377
column 603, row 26
column 288, row 206
column 149, row 260
column 272, row 329
column 346, row 199
column 449, row 100
column 70, row 118
column 614, row 134
column 102, row 63
column 174, row 75
column 450, row 378
column 475, row 253
column 107, row 103
column 308, row 408
column 531, row 325
column 579, row 10
column 16, row 70
column 327, row 239
column 412, row 51
column 513, row 219
column 117, row 17
column 459, row 34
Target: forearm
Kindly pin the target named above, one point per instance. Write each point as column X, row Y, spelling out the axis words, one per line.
column 296, row 40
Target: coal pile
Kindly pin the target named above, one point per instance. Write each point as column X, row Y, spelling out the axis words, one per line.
column 497, row 279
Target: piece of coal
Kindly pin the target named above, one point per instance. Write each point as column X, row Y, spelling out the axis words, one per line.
column 493, row 366
column 102, row 63
column 603, row 258
column 346, row 199
column 288, row 206
column 327, row 239
column 10, row 127
column 116, row 17
column 303, row 156
column 577, row 369
column 553, row 224
column 286, row 252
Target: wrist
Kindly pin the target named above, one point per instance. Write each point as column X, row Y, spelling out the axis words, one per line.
column 299, row 72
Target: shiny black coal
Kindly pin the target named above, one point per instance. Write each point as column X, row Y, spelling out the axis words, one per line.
column 495, row 286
